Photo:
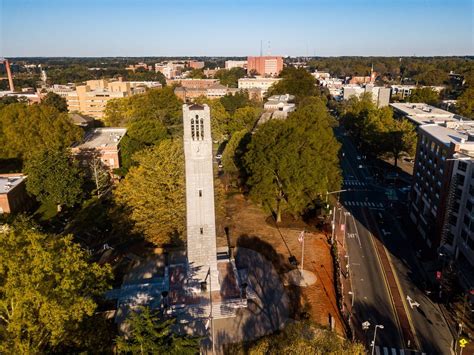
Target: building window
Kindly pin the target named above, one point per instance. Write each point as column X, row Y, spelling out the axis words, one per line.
column 462, row 166
column 467, row 220
column 453, row 220
column 201, row 230
column 459, row 179
column 200, row 193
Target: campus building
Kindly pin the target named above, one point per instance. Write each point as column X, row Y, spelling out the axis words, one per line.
column 442, row 194
column 230, row 64
column 13, row 195
column 100, row 143
column 404, row 91
column 421, row 113
column 380, row 95
column 265, row 65
column 257, row 83
column 91, row 99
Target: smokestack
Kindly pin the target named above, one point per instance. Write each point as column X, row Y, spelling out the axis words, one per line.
column 9, row 74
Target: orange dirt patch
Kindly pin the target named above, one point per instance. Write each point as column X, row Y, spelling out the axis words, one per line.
column 247, row 227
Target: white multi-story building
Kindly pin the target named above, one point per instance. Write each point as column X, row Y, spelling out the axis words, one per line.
column 257, row 83
column 380, row 95
column 229, row 64
column 403, row 91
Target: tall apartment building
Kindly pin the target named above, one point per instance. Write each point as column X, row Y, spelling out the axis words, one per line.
column 229, row 64
column 265, row 65
column 91, row 99
column 442, row 194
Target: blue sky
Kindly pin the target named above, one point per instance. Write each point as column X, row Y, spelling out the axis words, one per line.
column 235, row 27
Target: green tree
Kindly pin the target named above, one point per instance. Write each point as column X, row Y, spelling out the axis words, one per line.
column 148, row 334
column 292, row 164
column 25, row 130
column 238, row 100
column 400, row 138
column 54, row 100
column 425, row 95
column 244, row 118
column 47, row 290
column 465, row 104
column 295, row 81
column 234, row 152
column 196, row 74
column 54, row 177
column 154, row 192
column 299, row 338
column 156, row 104
column 230, row 77
column 354, row 112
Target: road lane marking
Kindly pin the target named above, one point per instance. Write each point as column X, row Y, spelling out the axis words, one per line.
column 357, row 230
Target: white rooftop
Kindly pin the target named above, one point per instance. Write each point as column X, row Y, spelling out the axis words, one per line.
column 102, row 138
column 10, row 181
column 281, row 98
column 421, row 113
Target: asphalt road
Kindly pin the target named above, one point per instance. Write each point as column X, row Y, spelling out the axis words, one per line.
column 371, row 216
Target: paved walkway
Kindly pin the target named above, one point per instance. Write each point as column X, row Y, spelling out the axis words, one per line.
column 268, row 313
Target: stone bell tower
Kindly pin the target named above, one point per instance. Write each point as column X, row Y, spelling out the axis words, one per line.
column 200, row 215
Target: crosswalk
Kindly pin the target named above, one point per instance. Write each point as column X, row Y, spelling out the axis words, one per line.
column 393, row 351
column 363, row 204
column 354, row 183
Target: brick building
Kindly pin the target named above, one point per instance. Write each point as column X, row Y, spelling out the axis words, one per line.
column 265, row 65
column 13, row 195
column 103, row 143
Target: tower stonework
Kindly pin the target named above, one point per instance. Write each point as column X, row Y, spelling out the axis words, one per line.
column 200, row 213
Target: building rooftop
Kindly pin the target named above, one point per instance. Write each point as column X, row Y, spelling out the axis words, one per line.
column 420, row 113
column 102, row 138
column 281, row 98
column 10, row 181
column 459, row 133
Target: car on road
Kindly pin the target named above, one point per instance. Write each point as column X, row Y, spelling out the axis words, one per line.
column 219, row 156
column 359, row 157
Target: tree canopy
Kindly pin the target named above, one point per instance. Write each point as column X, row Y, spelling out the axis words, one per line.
column 148, row 334
column 230, row 77
column 376, row 131
column 155, row 104
column 465, row 104
column 234, row 151
column 291, row 164
column 54, row 177
column 28, row 129
column 295, row 81
column 299, row 338
column 426, row 95
column 154, row 192
column 54, row 100
column 48, row 289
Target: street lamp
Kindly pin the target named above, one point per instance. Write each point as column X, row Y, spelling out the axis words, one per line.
column 375, row 334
